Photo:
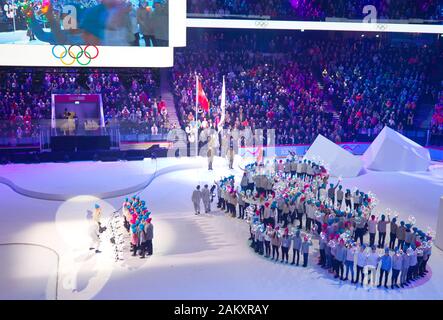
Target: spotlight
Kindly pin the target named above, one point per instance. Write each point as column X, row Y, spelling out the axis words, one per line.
column 363, row 35
column 377, row 36
column 302, row 30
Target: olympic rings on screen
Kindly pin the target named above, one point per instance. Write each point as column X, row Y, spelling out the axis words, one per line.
column 75, row 52
column 66, row 63
column 382, row 27
column 87, row 53
column 74, row 56
column 261, row 23
column 61, row 55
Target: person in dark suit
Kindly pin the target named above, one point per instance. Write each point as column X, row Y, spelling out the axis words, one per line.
column 149, row 235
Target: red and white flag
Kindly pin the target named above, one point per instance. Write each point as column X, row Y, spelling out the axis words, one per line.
column 222, row 106
column 202, row 100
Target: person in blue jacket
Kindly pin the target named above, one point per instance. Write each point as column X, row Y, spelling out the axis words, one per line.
column 305, row 249
column 340, row 257
column 296, row 246
column 385, row 268
column 397, row 262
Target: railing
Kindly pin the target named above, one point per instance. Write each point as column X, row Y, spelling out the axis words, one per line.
column 143, row 137
column 14, row 135
column 228, row 16
column 12, row 142
column 139, row 133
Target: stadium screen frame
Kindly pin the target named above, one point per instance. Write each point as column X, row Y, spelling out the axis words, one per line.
column 366, row 26
column 41, row 55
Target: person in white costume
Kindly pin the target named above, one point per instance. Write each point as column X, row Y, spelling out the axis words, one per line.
column 94, row 233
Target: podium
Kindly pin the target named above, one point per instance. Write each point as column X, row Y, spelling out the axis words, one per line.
column 80, row 143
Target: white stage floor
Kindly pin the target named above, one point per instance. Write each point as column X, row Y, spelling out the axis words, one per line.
column 195, row 257
column 62, row 181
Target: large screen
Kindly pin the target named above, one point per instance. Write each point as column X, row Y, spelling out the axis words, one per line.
column 87, row 22
column 91, row 32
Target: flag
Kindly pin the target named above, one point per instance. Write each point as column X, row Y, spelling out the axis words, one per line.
column 222, row 106
column 201, row 97
column 260, row 154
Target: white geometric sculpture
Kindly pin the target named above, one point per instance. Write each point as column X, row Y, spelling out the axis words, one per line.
column 338, row 161
column 391, row 151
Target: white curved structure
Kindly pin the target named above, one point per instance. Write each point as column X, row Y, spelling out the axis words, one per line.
column 102, row 180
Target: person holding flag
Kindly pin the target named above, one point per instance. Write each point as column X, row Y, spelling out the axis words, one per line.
column 202, row 101
column 222, row 107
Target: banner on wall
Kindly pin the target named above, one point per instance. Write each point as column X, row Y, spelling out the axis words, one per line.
column 284, row 150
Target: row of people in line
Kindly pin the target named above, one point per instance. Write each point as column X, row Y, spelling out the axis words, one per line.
column 326, row 220
column 347, row 261
column 263, row 239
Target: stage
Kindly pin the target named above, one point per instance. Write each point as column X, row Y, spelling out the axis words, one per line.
column 195, row 257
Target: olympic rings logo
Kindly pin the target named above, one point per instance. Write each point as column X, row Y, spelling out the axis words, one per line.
column 349, row 148
column 68, row 56
column 253, row 153
column 381, row 27
column 261, row 24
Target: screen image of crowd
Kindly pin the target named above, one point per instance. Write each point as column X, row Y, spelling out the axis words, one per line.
column 130, row 98
column 345, row 88
column 86, row 22
column 320, row 10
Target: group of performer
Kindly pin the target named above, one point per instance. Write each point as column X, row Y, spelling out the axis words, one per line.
column 288, row 204
column 138, row 224
column 136, row 221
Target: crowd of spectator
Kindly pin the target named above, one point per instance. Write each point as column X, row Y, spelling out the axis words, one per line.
column 319, row 10
column 130, row 98
column 133, row 104
column 272, row 8
column 386, row 9
column 20, row 106
column 437, row 121
column 344, row 89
